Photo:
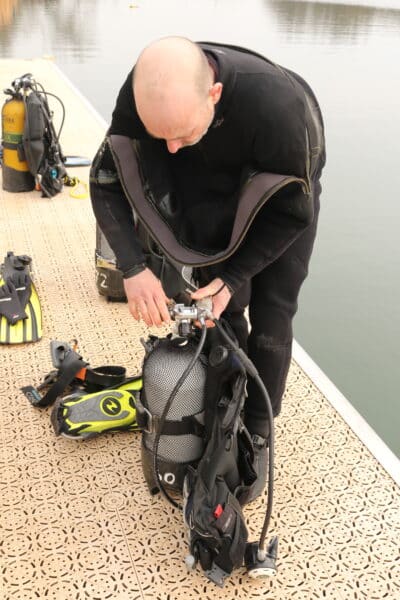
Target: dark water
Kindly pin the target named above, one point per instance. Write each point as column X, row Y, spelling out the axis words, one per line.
column 349, row 318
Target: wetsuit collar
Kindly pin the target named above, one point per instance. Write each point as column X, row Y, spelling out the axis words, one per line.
column 226, row 75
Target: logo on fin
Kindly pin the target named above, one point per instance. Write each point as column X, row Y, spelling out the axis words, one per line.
column 111, row 406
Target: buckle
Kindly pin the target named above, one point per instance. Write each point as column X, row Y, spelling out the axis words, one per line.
column 144, row 417
column 259, row 441
column 48, row 379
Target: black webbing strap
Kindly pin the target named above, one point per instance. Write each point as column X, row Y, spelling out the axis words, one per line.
column 10, row 145
column 150, row 423
column 254, row 195
column 103, row 377
column 188, row 425
column 71, row 365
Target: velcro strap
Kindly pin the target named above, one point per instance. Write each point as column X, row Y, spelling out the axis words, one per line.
column 188, row 425
column 144, row 418
column 18, row 147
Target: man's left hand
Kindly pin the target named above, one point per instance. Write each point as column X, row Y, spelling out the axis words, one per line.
column 219, row 293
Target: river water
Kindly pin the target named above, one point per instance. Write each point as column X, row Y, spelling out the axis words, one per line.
column 349, row 317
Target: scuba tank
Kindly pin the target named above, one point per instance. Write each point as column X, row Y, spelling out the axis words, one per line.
column 181, row 441
column 16, row 173
column 109, row 279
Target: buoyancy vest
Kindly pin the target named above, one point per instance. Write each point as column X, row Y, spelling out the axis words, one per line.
column 204, row 446
column 42, row 148
column 215, row 490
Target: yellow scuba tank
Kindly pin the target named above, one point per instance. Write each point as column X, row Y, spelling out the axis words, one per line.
column 15, row 169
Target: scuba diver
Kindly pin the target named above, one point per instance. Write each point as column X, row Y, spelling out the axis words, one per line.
column 216, row 153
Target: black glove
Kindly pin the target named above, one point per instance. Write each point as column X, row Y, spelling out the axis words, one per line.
column 10, row 305
column 22, row 283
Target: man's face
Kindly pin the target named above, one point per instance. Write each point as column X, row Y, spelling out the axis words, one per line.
column 183, row 117
column 187, row 130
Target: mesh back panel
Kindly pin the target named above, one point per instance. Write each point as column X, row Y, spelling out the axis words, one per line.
column 161, row 371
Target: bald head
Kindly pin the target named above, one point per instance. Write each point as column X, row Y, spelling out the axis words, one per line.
column 168, row 63
column 173, row 84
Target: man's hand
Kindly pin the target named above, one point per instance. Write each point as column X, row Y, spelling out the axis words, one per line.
column 147, row 299
column 220, row 296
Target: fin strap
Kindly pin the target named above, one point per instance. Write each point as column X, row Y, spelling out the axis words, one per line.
column 101, row 377
column 71, row 366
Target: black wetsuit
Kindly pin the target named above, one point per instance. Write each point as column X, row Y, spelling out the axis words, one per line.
column 259, row 126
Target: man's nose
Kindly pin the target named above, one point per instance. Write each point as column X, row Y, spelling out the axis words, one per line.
column 174, row 145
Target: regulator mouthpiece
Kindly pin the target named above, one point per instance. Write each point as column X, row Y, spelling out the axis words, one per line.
column 260, row 564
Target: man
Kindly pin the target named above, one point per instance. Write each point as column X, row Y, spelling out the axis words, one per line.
column 209, row 122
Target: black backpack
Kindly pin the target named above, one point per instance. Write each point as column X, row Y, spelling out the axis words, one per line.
column 41, row 143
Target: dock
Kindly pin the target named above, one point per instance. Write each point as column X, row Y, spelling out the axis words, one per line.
column 76, row 519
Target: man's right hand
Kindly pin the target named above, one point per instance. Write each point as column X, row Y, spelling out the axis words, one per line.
column 147, row 299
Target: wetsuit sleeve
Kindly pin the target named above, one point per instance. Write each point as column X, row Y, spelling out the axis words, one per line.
column 110, row 205
column 114, row 215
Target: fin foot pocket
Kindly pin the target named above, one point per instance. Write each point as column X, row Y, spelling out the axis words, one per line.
column 20, row 310
column 87, row 415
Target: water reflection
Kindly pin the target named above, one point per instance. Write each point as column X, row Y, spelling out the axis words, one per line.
column 61, row 23
column 328, row 22
column 7, row 12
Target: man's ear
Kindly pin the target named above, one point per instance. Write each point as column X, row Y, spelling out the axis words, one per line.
column 216, row 91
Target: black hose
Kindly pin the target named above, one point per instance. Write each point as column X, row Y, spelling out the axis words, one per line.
column 165, row 413
column 251, row 369
column 57, row 135
column 37, row 87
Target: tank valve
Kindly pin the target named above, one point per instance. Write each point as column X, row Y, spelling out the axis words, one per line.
column 185, row 316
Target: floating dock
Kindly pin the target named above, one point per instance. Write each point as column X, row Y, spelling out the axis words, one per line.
column 76, row 519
